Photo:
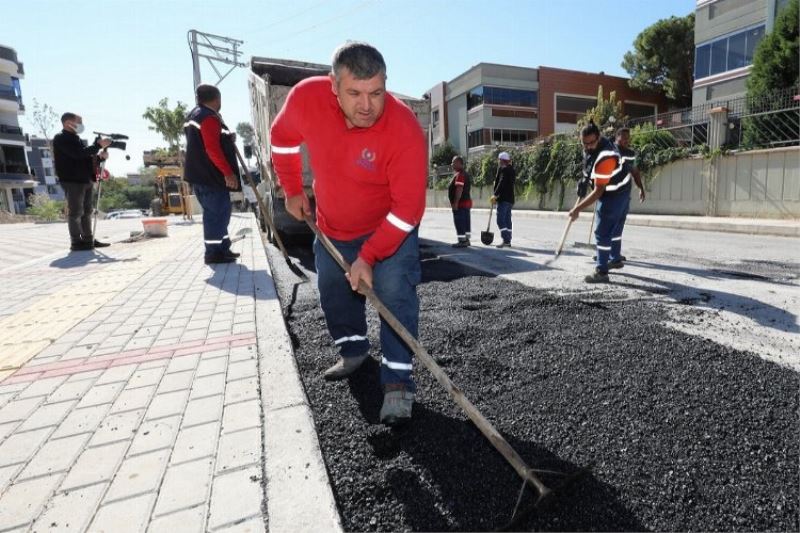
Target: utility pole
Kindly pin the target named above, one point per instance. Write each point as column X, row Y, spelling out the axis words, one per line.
column 216, row 49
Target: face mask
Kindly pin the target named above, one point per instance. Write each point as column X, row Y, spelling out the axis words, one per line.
column 79, row 128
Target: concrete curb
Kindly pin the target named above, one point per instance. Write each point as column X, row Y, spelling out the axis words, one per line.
column 776, row 228
column 299, row 495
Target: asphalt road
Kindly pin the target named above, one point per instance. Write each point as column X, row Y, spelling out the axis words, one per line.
column 681, row 433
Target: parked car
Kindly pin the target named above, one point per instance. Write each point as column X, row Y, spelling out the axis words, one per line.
column 127, row 213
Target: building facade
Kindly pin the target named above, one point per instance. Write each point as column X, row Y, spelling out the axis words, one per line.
column 726, row 33
column 41, row 162
column 507, row 105
column 15, row 175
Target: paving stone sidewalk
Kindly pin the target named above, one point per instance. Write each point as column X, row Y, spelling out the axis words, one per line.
column 130, row 394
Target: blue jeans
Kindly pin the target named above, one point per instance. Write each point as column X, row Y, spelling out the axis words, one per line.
column 612, row 210
column 504, row 220
column 216, row 204
column 395, row 281
column 463, row 223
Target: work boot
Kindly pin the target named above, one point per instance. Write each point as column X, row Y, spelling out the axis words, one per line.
column 504, row 245
column 232, row 254
column 597, row 277
column 397, row 403
column 219, row 259
column 344, row 367
column 618, row 263
column 460, row 244
column 80, row 246
column 98, row 244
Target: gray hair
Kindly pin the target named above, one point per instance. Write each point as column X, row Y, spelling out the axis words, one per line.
column 361, row 59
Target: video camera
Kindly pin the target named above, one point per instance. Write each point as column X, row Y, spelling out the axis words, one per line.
column 116, row 139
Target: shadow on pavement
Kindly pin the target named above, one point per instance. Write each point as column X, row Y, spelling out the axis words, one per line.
column 237, row 279
column 83, row 258
column 770, row 316
column 490, row 259
column 719, row 273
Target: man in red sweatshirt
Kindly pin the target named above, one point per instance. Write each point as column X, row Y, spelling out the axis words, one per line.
column 212, row 170
column 368, row 156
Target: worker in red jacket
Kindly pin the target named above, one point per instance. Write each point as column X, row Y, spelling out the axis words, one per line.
column 368, row 156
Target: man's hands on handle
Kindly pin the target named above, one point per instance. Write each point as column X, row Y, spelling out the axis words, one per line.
column 103, row 143
column 231, row 182
column 360, row 270
column 298, row 206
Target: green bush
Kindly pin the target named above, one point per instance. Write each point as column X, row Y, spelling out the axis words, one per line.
column 44, row 208
column 645, row 134
column 443, row 155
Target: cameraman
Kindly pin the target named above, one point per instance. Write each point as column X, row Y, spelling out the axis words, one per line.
column 75, row 170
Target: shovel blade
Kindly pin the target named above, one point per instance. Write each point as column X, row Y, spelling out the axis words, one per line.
column 487, row 237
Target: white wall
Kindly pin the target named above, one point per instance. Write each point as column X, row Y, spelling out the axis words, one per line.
column 754, row 184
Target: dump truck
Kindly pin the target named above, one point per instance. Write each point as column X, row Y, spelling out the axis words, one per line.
column 269, row 81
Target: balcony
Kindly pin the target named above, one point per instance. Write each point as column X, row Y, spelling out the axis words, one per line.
column 12, row 133
column 9, row 100
column 9, row 62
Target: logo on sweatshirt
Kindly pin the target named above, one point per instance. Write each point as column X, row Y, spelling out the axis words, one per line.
column 367, row 160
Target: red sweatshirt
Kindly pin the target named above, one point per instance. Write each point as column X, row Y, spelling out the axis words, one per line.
column 366, row 180
column 210, row 130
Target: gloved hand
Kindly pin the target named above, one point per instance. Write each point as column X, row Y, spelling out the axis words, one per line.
column 493, row 200
column 583, row 187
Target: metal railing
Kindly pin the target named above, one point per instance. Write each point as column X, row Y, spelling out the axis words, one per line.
column 753, row 122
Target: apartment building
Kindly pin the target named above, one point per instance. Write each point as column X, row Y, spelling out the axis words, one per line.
column 493, row 104
column 726, row 33
column 43, row 167
column 16, row 179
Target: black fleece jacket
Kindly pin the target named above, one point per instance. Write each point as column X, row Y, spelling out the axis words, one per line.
column 74, row 163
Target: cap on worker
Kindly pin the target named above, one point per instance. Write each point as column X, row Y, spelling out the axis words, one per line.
column 505, row 156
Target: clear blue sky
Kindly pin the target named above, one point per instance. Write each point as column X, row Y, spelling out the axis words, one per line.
column 110, row 60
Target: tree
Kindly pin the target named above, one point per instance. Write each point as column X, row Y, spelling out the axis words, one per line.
column 443, row 154
column 245, row 131
column 45, row 119
column 775, row 64
column 608, row 115
column 663, row 59
column 168, row 122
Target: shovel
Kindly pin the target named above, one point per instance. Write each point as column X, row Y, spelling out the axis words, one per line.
column 487, row 236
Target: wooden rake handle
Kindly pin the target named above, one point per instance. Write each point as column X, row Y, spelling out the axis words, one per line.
column 485, row 427
column 566, row 230
column 261, row 206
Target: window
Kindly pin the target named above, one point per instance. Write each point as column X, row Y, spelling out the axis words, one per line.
column 44, row 153
column 515, row 97
column 639, row 110
column 435, row 117
column 475, row 97
column 719, row 56
column 51, row 190
column 502, row 96
column 728, row 53
column 499, row 136
column 570, row 108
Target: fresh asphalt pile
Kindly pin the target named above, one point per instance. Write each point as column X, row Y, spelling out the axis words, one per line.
column 680, row 433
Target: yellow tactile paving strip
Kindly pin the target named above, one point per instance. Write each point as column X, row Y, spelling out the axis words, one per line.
column 33, row 328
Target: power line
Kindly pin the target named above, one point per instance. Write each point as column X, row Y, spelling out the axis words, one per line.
column 290, row 17
column 317, row 25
